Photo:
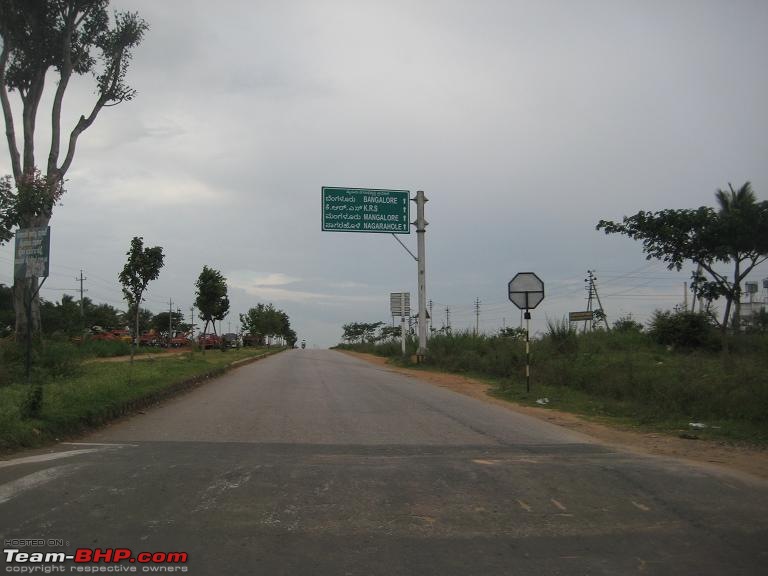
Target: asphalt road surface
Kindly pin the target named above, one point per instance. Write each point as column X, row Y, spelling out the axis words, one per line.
column 314, row 462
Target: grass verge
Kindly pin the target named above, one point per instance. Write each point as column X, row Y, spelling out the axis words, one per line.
column 99, row 392
column 623, row 379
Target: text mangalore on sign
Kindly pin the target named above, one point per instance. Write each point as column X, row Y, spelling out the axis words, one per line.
column 33, row 246
column 366, row 210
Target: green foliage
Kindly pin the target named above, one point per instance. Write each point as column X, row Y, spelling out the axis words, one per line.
column 737, row 233
column 759, row 322
column 98, row 392
column 683, row 329
column 627, row 324
column 143, row 266
column 160, row 322
column 8, row 216
column 266, row 320
column 515, row 333
column 7, row 315
column 388, row 333
column 211, row 299
column 562, row 335
column 622, row 372
column 361, row 331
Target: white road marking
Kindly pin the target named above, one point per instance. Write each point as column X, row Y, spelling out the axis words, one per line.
column 10, row 490
column 46, row 457
column 639, row 506
column 558, row 504
column 108, row 444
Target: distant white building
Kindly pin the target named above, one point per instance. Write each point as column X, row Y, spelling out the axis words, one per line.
column 752, row 304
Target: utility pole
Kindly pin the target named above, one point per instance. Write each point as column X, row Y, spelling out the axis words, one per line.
column 447, row 318
column 591, row 280
column 81, row 279
column 170, row 320
column 421, row 229
column 430, row 317
column 477, row 316
column 192, row 312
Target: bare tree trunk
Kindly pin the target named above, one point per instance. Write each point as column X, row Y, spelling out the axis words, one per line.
column 202, row 341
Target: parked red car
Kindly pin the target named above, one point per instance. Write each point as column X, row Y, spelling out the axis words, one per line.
column 179, row 341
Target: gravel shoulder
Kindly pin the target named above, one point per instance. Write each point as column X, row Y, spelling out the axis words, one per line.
column 715, row 454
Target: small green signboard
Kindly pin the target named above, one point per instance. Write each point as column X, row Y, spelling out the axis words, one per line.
column 366, row 210
column 33, row 246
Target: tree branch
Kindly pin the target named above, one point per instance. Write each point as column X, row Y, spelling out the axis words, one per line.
column 79, row 128
column 64, row 76
column 719, row 278
column 10, row 131
column 29, row 116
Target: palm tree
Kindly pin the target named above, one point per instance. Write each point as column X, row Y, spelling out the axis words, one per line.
column 737, row 209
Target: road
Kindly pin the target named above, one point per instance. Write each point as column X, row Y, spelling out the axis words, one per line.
column 313, row 462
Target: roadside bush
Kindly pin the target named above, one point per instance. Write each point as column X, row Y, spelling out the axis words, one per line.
column 57, row 360
column 626, row 324
column 681, row 329
column 562, row 335
column 104, row 348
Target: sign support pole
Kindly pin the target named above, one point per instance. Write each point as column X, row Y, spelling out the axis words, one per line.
column 402, row 321
column 421, row 229
column 527, row 351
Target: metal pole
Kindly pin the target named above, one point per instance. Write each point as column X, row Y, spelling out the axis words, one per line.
column 28, row 362
column 421, row 228
column 527, row 351
column 402, row 321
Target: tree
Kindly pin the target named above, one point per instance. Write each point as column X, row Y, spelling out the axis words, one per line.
column 71, row 38
column 161, row 322
column 266, row 320
column 736, row 234
column 7, row 209
column 363, row 331
column 6, row 310
column 142, row 267
column 211, row 300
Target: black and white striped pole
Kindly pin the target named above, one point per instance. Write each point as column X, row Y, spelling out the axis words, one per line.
column 526, row 291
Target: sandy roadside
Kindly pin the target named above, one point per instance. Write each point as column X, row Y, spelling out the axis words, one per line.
column 748, row 460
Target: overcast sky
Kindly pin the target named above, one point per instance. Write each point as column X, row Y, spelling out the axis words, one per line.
column 525, row 122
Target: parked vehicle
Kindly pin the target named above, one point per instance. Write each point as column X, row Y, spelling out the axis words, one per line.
column 231, row 340
column 253, row 340
column 180, row 340
column 122, row 335
column 209, row 341
column 150, row 338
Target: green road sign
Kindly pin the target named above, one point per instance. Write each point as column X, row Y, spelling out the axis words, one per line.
column 33, row 245
column 366, row 210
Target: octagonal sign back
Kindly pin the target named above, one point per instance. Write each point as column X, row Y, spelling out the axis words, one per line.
column 526, row 290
